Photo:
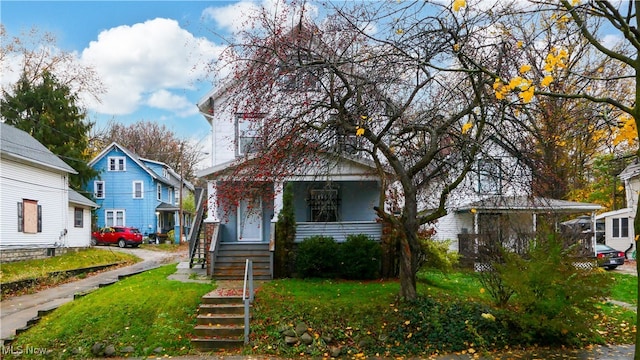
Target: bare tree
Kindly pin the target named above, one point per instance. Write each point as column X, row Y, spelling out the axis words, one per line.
column 398, row 83
column 34, row 53
column 153, row 141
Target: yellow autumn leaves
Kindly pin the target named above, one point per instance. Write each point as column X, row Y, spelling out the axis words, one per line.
column 525, row 87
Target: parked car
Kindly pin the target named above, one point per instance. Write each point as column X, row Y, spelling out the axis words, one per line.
column 608, row 257
column 121, row 235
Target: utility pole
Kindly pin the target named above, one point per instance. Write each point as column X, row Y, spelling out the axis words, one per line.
column 181, row 193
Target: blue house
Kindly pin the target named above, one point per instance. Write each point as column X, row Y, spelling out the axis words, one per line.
column 137, row 192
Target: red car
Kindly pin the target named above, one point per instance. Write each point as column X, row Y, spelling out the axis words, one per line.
column 121, row 235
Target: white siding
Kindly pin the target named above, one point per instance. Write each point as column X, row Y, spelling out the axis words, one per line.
column 79, row 237
column 449, row 226
column 19, row 181
column 223, row 134
column 618, row 243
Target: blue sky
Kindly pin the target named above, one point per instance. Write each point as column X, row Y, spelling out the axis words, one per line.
column 150, row 55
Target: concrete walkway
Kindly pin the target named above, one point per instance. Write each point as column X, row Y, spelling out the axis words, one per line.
column 17, row 311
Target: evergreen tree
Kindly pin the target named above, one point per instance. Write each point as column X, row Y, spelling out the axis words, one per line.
column 48, row 111
column 285, row 234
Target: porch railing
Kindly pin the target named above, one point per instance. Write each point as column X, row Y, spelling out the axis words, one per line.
column 472, row 246
column 194, row 230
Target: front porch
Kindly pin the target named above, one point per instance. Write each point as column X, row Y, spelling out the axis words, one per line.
column 514, row 223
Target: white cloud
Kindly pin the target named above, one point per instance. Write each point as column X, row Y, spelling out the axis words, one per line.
column 140, row 61
column 242, row 15
column 232, row 18
column 164, row 99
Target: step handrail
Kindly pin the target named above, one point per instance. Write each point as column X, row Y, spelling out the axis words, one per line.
column 247, row 299
column 194, row 230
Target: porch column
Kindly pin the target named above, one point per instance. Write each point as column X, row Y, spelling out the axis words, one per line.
column 212, row 202
column 278, row 189
column 534, row 219
column 593, row 230
column 476, row 226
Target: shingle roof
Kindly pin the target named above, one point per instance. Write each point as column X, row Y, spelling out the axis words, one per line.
column 77, row 198
column 21, row 146
column 528, row 203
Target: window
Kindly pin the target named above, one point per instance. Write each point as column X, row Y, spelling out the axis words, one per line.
column 98, row 189
column 170, row 197
column 78, row 217
column 490, row 176
column 29, row 217
column 138, row 190
column 293, row 77
column 165, row 173
column 117, row 163
column 323, row 205
column 114, row 218
column 159, row 192
column 247, row 132
column 620, row 227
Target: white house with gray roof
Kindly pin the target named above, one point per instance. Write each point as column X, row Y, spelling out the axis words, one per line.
column 39, row 214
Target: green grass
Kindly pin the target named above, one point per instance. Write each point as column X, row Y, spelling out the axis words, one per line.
column 33, row 269
column 148, row 311
column 624, row 288
column 458, row 284
column 145, row 311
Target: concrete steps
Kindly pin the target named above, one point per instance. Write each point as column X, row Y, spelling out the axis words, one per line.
column 220, row 323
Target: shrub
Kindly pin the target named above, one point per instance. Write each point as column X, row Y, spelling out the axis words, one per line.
column 555, row 300
column 316, row 257
column 436, row 255
column 360, row 258
column 431, row 325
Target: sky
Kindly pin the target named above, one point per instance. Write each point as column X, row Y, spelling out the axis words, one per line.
column 151, row 56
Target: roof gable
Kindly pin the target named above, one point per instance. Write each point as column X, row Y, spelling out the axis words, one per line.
column 18, row 144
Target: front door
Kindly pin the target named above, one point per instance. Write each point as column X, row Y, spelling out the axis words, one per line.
column 250, row 220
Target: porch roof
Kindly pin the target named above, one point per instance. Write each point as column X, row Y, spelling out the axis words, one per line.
column 166, row 207
column 527, row 203
column 325, row 166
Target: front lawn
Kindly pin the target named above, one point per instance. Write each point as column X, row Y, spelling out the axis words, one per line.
column 34, row 269
column 343, row 318
column 146, row 313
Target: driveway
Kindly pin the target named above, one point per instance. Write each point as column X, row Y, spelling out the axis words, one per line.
column 17, row 311
column 629, row 267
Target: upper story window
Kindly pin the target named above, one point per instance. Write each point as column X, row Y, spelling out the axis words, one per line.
column 248, row 128
column 170, row 197
column 138, row 190
column 159, row 192
column 117, row 163
column 490, row 176
column 298, row 74
column 165, row 173
column 98, row 189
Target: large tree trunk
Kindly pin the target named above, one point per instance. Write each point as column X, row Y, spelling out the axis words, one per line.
column 636, row 229
column 409, row 248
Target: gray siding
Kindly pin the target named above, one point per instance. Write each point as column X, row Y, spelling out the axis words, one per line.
column 338, row 231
